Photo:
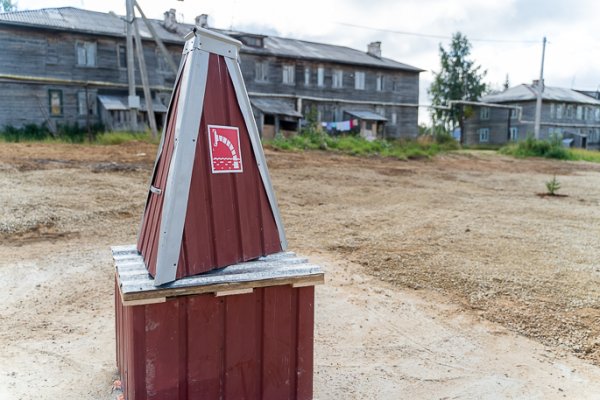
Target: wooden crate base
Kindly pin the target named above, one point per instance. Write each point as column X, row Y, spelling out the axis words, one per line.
column 247, row 344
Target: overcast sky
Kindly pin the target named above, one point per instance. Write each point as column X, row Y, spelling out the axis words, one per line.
column 506, row 35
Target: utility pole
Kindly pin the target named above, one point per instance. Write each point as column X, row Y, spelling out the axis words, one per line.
column 144, row 75
column 540, row 90
column 133, row 100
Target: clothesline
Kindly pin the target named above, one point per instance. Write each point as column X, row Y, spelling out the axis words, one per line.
column 342, row 126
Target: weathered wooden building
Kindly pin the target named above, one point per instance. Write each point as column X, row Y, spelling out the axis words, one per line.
column 66, row 65
column 566, row 113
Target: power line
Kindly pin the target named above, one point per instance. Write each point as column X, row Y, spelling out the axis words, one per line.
column 432, row 36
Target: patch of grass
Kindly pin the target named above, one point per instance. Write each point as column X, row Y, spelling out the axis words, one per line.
column 585, row 155
column 115, row 138
column 531, row 147
column 423, row 147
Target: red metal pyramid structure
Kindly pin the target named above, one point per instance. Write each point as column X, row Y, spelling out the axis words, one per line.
column 211, row 202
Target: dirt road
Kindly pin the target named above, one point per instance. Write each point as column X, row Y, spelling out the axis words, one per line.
column 448, row 278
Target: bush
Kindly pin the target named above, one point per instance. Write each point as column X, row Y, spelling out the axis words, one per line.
column 314, row 139
column 531, row 147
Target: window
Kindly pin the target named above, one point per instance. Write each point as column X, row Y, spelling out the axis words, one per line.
column 359, row 80
column 86, row 54
column 552, row 111
column 337, row 78
column 306, row 76
column 86, row 103
column 569, row 113
column 514, row 113
column 122, row 57
column 261, row 71
column 394, row 118
column 55, row 102
column 379, row 83
column 484, row 113
column 289, row 74
column 321, row 76
column 484, row 135
column 559, row 111
column 514, row 134
column 579, row 112
column 597, row 114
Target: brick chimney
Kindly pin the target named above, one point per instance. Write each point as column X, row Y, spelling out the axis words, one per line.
column 170, row 21
column 202, row 20
column 374, row 49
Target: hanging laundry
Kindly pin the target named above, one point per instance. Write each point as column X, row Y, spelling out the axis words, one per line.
column 343, row 126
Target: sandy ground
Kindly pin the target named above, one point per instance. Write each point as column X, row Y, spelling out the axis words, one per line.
column 449, row 278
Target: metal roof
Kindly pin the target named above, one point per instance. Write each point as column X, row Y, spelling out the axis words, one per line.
column 112, row 102
column 367, row 115
column 275, row 106
column 92, row 22
column 526, row 92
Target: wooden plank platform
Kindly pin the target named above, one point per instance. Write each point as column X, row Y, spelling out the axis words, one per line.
column 285, row 268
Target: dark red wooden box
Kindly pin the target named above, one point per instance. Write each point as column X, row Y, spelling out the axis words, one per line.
column 243, row 332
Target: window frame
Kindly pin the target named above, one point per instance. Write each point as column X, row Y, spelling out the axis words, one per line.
column 86, row 45
column 261, row 71
column 59, row 92
column 288, row 74
column 307, row 74
column 337, row 79
column 321, row 76
column 360, row 80
column 484, row 114
column 484, row 135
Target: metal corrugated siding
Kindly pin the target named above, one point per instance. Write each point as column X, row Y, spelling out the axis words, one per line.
column 228, row 218
column 251, row 346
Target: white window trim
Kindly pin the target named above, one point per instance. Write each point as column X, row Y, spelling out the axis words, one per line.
column 484, row 135
column 307, row 73
column 289, row 74
column 337, row 79
column 87, row 58
column 359, row 80
column 321, row 76
column 379, row 83
column 261, row 71
column 484, row 114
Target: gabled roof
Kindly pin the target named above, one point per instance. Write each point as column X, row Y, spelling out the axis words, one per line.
column 526, row 92
column 110, row 24
column 92, row 22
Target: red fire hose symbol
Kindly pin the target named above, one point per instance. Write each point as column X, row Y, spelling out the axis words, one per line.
column 224, row 144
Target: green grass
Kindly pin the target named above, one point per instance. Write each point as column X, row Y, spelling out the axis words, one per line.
column 585, row 155
column 115, row 138
column 424, row 147
column 531, row 147
column 549, row 149
column 71, row 134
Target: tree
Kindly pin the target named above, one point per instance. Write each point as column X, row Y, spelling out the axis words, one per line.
column 7, row 5
column 458, row 79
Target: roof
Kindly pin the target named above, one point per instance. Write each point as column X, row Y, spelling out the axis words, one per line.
column 526, row 92
column 274, row 106
column 367, row 115
column 112, row 102
column 93, row 22
column 300, row 49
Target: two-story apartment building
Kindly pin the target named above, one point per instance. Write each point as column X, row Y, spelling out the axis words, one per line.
column 66, row 65
column 566, row 113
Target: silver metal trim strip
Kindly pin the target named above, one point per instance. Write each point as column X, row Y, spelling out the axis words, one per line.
column 176, row 192
column 244, row 103
column 162, row 141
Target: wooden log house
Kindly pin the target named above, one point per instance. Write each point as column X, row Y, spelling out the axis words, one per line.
column 66, row 65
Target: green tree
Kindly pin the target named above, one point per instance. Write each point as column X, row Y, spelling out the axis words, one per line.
column 7, row 5
column 458, row 79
